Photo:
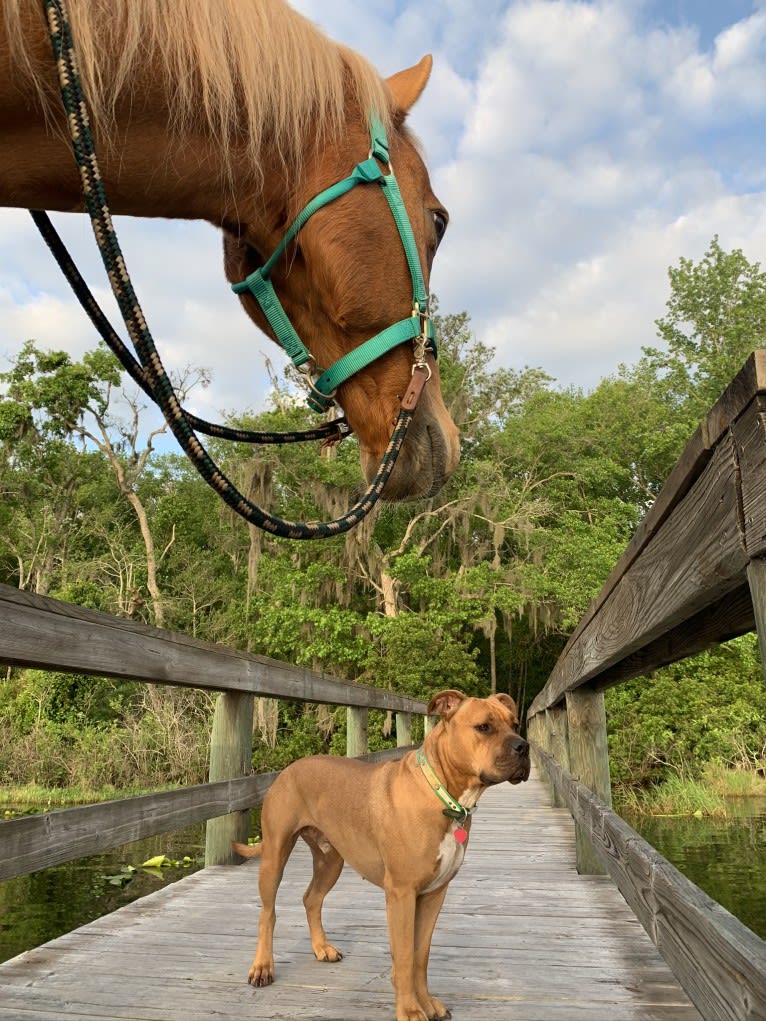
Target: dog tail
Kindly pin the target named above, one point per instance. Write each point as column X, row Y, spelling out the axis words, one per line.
column 248, row 850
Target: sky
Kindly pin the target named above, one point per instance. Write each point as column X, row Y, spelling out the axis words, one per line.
column 581, row 147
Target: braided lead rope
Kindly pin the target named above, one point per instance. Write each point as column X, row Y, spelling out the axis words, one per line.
column 330, row 432
column 156, row 377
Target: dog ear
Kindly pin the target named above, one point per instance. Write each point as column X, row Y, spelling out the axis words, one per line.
column 507, row 701
column 445, row 703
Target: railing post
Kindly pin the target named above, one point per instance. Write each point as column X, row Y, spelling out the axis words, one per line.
column 356, row 731
column 589, row 762
column 403, row 730
column 756, row 577
column 558, row 743
column 231, row 753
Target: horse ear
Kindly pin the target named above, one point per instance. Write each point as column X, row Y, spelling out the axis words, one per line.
column 445, row 703
column 407, row 85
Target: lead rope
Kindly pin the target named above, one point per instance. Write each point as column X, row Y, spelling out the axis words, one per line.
column 329, row 432
column 154, row 376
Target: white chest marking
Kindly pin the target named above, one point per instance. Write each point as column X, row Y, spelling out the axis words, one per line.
column 449, row 860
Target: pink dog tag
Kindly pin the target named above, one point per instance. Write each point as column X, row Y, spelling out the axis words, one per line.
column 461, row 835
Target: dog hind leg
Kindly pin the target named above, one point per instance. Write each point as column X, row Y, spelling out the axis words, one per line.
column 276, row 851
column 328, row 866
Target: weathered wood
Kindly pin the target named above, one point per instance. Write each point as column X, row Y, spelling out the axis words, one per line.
column 36, row 631
column 231, row 755
column 756, row 577
column 589, row 762
column 719, row 962
column 558, row 743
column 750, row 439
column 692, row 562
column 403, row 729
column 182, row 954
column 356, row 731
column 727, row 618
column 39, row 841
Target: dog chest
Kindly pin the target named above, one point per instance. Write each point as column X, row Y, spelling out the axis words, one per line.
column 449, row 859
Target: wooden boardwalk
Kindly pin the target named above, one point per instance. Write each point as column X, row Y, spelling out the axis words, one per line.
column 521, row 936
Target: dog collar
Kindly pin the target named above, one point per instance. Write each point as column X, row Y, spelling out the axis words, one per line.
column 454, row 809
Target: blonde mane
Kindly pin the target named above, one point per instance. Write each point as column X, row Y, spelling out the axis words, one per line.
column 253, row 72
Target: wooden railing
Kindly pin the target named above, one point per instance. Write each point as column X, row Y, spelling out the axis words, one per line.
column 693, row 575
column 36, row 631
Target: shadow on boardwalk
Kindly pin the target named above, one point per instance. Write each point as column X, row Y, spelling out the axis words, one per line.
column 521, row 935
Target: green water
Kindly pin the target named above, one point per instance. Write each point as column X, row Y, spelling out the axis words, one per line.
column 726, row 858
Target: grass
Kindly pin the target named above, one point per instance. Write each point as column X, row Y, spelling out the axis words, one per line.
column 676, row 796
column 35, row 796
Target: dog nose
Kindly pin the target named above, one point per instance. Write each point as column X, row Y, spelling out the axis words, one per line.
column 520, row 746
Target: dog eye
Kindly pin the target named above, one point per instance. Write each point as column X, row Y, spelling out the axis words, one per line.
column 483, row 728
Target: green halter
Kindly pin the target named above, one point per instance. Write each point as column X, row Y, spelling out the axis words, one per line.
column 417, row 327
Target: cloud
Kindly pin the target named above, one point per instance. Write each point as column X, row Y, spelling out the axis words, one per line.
column 580, row 177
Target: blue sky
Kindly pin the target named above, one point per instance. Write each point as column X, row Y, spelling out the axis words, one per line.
column 580, row 147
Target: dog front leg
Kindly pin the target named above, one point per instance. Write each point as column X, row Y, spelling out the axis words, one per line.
column 400, row 910
column 427, row 910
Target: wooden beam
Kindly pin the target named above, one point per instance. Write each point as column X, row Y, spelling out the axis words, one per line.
column 36, row 631
column 589, row 762
column 694, row 561
column 231, row 755
column 720, row 963
column 403, row 730
column 356, row 732
column 39, row 841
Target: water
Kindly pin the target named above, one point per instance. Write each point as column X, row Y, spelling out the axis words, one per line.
column 38, row 907
column 725, row 857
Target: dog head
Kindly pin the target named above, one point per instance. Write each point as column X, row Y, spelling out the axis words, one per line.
column 483, row 734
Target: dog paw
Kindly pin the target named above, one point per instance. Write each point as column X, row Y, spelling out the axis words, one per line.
column 261, row 974
column 327, row 952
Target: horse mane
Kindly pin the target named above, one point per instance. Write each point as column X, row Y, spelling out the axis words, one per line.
column 252, row 72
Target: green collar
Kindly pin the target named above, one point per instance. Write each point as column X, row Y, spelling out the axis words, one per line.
column 454, row 809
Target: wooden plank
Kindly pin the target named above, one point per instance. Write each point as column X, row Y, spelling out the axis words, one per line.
column 726, row 618
column 750, row 441
column 38, row 841
column 743, row 389
column 719, row 962
column 37, row 631
column 516, row 907
column 691, row 563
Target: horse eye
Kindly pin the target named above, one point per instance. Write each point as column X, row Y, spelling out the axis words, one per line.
column 440, row 224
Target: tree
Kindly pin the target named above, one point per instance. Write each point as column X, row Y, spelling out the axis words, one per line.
column 716, row 315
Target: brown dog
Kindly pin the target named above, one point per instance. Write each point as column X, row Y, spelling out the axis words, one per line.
column 402, row 825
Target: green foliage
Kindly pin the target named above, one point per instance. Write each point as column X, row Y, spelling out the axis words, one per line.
column 684, row 716
column 477, row 586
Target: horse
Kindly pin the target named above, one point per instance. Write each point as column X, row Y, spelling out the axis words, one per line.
column 238, row 112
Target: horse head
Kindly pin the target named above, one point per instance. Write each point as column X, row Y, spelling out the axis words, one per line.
column 345, row 278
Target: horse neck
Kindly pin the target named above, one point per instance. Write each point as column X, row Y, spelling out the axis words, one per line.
column 149, row 168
